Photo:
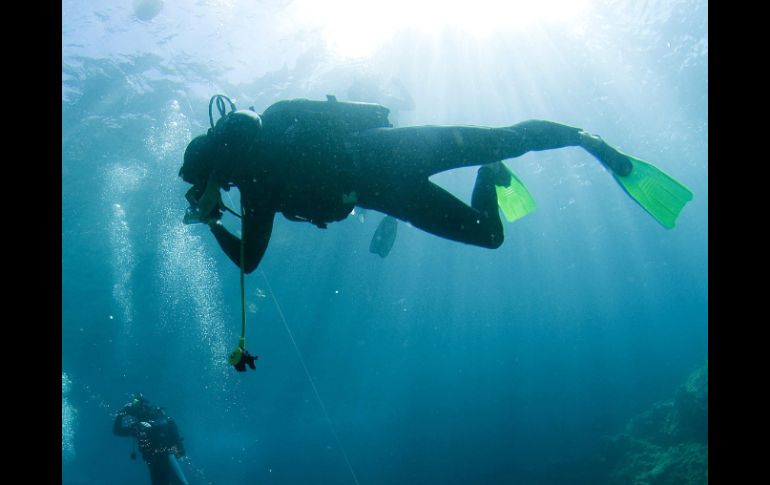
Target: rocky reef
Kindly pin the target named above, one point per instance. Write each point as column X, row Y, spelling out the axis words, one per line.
column 667, row 444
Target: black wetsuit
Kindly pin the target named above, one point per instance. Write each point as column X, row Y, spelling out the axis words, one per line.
column 313, row 170
column 159, row 444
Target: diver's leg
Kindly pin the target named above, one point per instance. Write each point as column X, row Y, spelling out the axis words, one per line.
column 433, row 209
column 158, row 475
column 175, row 474
column 427, row 150
column 484, row 197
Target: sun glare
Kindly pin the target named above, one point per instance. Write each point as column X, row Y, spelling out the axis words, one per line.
column 354, row 28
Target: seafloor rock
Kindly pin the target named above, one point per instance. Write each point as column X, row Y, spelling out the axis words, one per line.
column 667, row 444
column 691, row 406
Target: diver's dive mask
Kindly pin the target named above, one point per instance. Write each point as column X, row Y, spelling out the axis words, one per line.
column 202, row 203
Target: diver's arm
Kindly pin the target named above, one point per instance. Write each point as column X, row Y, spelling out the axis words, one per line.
column 118, row 428
column 257, row 227
column 178, row 447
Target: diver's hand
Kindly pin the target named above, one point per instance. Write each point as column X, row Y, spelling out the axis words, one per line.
column 216, row 214
column 214, row 217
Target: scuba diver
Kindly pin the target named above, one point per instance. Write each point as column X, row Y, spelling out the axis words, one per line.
column 314, row 161
column 158, row 439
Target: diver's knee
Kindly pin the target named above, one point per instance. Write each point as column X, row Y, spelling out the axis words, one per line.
column 495, row 240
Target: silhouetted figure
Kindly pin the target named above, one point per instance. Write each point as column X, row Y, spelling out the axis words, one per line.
column 157, row 437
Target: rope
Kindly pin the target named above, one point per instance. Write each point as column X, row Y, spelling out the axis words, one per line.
column 242, row 341
column 310, row 378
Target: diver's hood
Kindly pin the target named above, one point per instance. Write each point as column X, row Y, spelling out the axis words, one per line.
column 233, row 137
column 198, row 160
column 228, row 146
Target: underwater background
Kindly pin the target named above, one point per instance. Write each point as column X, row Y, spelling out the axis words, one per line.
column 574, row 353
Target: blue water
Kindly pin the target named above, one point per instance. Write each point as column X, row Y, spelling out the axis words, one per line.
column 443, row 363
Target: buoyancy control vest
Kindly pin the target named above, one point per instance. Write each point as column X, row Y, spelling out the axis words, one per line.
column 323, row 128
column 161, row 437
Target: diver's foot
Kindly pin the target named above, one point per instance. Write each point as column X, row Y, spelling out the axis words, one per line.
column 498, row 172
column 611, row 158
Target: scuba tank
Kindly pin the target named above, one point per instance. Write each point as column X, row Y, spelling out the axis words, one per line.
column 237, row 128
column 349, row 117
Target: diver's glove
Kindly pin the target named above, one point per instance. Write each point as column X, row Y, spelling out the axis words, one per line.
column 206, row 206
column 214, row 217
column 125, row 410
